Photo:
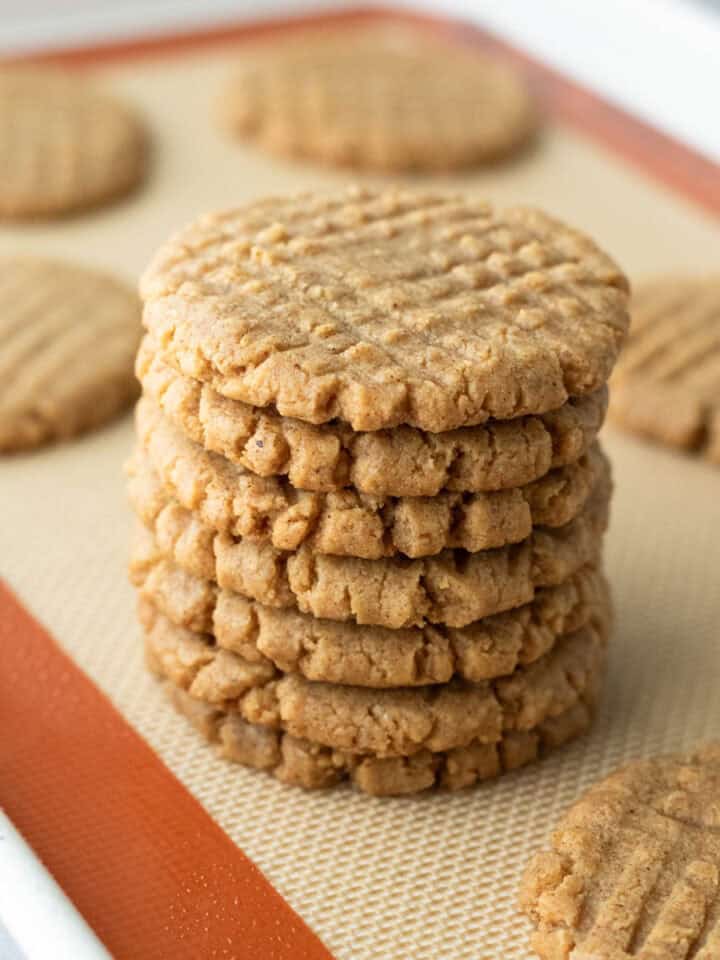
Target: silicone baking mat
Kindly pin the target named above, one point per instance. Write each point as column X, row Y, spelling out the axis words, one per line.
column 428, row 876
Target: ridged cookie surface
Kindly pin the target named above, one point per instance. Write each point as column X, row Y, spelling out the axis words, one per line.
column 667, row 384
column 63, row 145
column 387, row 307
column 634, row 868
column 377, row 99
column 68, row 336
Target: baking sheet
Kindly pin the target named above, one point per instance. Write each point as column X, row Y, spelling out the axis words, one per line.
column 435, row 875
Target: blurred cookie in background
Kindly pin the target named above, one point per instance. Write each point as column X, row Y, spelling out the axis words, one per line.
column 68, row 337
column 666, row 386
column 376, row 99
column 63, row 145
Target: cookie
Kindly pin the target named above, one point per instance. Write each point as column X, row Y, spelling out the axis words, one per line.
column 68, row 336
column 667, row 384
column 64, row 145
column 401, row 462
column 389, row 722
column 346, row 523
column 378, row 100
column 453, row 587
column 634, row 869
column 312, row 766
column 388, row 307
column 348, row 654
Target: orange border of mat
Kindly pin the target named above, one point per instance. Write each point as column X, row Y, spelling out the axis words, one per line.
column 148, row 868
column 669, row 161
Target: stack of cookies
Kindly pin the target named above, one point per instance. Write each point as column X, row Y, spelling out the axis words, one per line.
column 371, row 496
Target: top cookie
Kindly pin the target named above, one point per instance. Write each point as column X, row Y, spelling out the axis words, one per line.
column 387, row 308
column 634, row 870
column 63, row 146
column 379, row 100
column 667, row 384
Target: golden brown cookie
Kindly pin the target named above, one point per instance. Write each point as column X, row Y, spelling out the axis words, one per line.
column 400, row 462
column 388, row 307
column 634, row 869
column 453, row 587
column 388, row 722
column 378, row 99
column 345, row 653
column 68, row 336
column 63, row 145
column 312, row 766
column 344, row 522
column 667, row 384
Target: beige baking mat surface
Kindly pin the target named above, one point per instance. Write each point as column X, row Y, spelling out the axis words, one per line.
column 426, row 877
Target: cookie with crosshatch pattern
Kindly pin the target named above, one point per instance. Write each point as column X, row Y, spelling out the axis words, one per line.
column 387, row 307
column 633, row 870
column 378, row 99
column 64, row 145
column 68, row 336
column 667, row 383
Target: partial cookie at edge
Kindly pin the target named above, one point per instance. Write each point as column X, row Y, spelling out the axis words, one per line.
column 64, row 146
column 667, row 383
column 634, row 867
column 68, row 336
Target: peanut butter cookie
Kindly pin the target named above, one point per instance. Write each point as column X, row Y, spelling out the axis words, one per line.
column 667, row 384
column 64, row 146
column 400, row 462
column 388, row 722
column 381, row 100
column 312, row 766
column 68, row 336
column 347, row 523
column 634, row 869
column 388, row 307
column 453, row 587
column 345, row 653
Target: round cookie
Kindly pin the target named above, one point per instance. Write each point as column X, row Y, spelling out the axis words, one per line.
column 388, row 722
column 634, row 869
column 378, row 100
column 64, row 145
column 400, row 462
column 345, row 523
column 388, row 307
column 68, row 337
column 305, row 764
column 349, row 654
column 667, row 383
column 452, row 587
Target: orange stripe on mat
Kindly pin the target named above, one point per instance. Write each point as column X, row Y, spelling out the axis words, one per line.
column 147, row 867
